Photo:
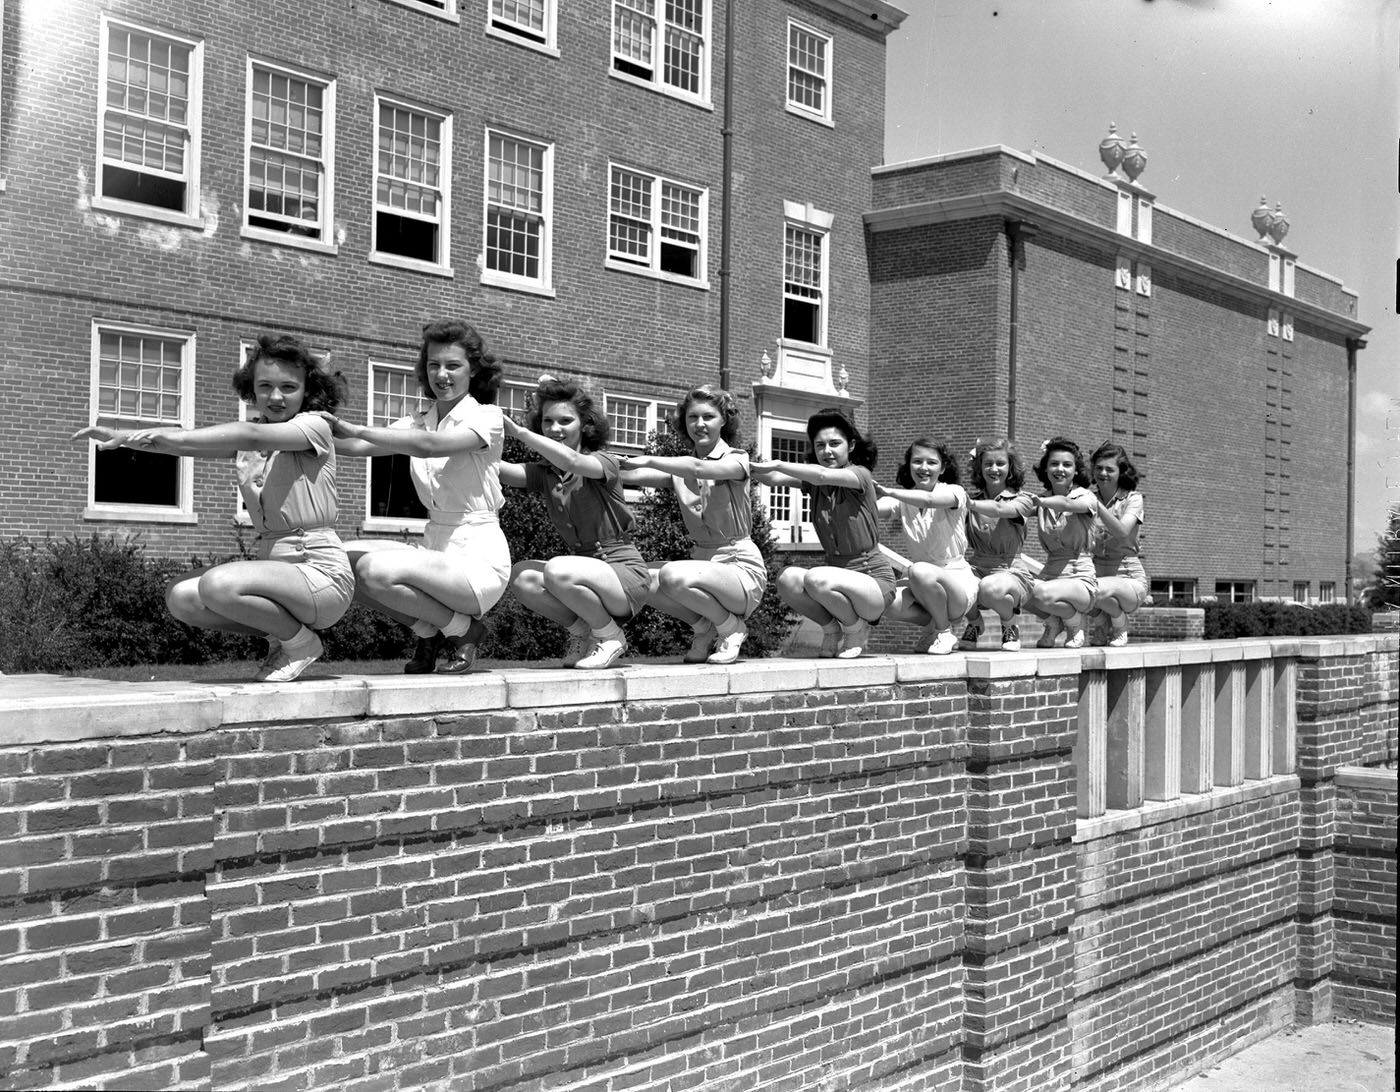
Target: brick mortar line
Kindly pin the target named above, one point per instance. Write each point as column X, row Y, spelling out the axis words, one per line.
column 1225, row 870
column 65, row 894
column 1366, row 918
column 171, row 1039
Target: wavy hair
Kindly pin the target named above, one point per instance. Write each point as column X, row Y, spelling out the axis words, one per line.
column 904, row 476
column 722, row 400
column 1128, row 475
column 863, row 449
column 325, row 390
column 595, row 427
column 1062, row 443
column 485, row 379
column 1015, row 468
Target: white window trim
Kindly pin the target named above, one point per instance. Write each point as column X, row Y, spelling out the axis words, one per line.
column 550, row 45
column 820, row 354
column 822, row 117
column 654, row 416
column 442, row 268
column 653, row 270
column 528, row 388
column 544, row 286
column 447, row 13
column 784, row 531
column 143, row 513
column 1327, row 591
column 657, row 84
column 384, row 524
column 240, row 510
column 325, row 243
column 192, row 215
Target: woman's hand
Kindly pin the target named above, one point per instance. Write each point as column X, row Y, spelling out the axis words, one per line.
column 634, row 462
column 511, row 426
column 340, row 430
column 107, row 438
column 881, row 491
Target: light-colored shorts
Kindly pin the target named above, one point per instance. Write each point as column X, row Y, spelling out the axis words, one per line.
column 1132, row 588
column 1021, row 573
column 958, row 572
column 748, row 565
column 482, row 547
column 320, row 559
column 1077, row 567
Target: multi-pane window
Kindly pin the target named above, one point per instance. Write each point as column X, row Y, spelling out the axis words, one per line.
column 290, row 139
column 809, row 72
column 788, row 506
column 531, row 21
column 413, row 153
column 663, row 43
column 446, row 8
column 148, row 120
column 518, row 198
column 632, row 419
column 1234, row 591
column 804, row 284
column 1167, row 588
column 1300, row 590
column 514, row 401
column 141, row 379
column 656, row 224
column 1327, row 592
column 393, row 394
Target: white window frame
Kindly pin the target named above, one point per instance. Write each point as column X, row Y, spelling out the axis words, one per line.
column 784, row 530
column 323, row 242
column 1327, row 591
column 524, row 388
column 511, row 30
column 659, row 26
column 183, row 511
column 652, row 412
column 543, row 285
column 442, row 267
column 1302, row 590
column 1189, row 585
column 371, row 522
column 446, row 11
column 652, row 267
column 240, row 509
column 189, row 216
column 1250, row 587
column 823, row 116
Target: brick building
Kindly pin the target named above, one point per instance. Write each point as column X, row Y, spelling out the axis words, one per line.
column 176, row 178
column 1020, row 295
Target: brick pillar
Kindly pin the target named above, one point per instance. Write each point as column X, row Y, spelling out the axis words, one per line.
column 1020, row 874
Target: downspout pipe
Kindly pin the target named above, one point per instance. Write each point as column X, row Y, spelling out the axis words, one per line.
column 726, row 200
column 1017, row 231
column 1353, row 345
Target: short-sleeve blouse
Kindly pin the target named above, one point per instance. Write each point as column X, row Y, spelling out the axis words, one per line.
column 997, row 540
column 846, row 519
column 716, row 512
column 936, row 535
column 291, row 490
column 464, row 482
column 1065, row 534
column 588, row 513
column 1126, row 507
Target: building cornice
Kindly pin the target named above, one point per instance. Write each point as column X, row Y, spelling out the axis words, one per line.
column 870, row 13
column 1016, row 206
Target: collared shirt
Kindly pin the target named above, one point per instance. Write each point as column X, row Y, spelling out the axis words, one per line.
column 588, row 513
column 291, row 490
column 1127, row 507
column 936, row 535
column 716, row 512
column 996, row 540
column 1065, row 534
column 465, row 482
column 845, row 517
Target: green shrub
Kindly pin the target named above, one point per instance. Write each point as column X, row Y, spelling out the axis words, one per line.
column 1270, row 619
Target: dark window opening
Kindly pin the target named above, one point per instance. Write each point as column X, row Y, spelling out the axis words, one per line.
column 631, row 68
column 800, row 321
column 121, row 184
column 681, row 260
column 519, row 31
column 391, row 492
column 306, row 231
column 128, row 476
column 406, row 237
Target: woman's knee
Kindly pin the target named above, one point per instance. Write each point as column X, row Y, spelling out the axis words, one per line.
column 182, row 598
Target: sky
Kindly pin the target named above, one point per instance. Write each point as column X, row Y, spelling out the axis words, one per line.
column 1297, row 100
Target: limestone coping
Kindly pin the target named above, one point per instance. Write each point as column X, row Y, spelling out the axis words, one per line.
column 1152, row 812
column 60, row 708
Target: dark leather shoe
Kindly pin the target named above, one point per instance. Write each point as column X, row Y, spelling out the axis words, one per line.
column 461, row 651
column 425, row 654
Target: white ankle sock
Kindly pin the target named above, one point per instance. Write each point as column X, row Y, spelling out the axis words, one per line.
column 732, row 624
column 299, row 643
column 423, row 629
column 457, row 625
column 610, row 632
column 579, row 628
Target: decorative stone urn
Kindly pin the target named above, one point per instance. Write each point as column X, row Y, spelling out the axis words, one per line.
column 1134, row 160
column 1261, row 218
column 1111, row 150
column 1278, row 224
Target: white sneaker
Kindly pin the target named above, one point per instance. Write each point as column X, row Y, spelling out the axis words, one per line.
column 1074, row 631
column 943, row 643
column 269, row 662
column 1050, row 632
column 282, row 668
column 854, row 639
column 727, row 648
column 1010, row 637
column 605, row 653
column 1119, row 630
column 701, row 644
column 579, row 646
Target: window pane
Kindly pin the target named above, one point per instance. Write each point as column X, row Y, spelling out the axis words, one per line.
column 525, row 15
column 634, row 25
column 139, row 378
column 629, row 421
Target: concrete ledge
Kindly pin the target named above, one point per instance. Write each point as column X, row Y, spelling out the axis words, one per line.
column 1153, row 812
column 1373, row 778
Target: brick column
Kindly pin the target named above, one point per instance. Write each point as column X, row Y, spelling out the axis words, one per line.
column 1020, row 873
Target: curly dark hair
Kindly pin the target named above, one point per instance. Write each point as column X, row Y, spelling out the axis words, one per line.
column 1061, row 443
column 863, row 450
column 325, row 390
column 596, row 427
column 904, row 476
column 1015, row 469
column 722, row 400
column 1128, row 475
column 485, row 378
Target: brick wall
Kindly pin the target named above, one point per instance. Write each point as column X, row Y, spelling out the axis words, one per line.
column 1363, row 901
column 866, row 873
